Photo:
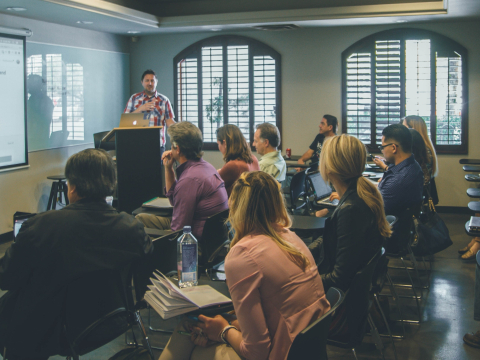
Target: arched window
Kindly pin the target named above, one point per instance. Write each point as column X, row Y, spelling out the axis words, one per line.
column 227, row 80
column 401, row 72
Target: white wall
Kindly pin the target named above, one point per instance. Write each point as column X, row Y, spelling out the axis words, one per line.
column 28, row 189
column 311, row 83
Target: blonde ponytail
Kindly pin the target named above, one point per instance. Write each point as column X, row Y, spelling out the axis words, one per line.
column 345, row 156
column 372, row 197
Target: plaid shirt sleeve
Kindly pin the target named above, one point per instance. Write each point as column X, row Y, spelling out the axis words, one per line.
column 168, row 111
column 129, row 108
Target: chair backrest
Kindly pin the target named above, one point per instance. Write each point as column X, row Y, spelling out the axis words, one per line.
column 357, row 304
column 97, row 309
column 214, row 236
column 97, row 141
column 311, row 342
column 297, row 186
column 403, row 229
column 380, row 273
column 163, row 258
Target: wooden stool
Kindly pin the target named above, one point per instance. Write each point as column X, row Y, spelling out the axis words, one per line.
column 59, row 187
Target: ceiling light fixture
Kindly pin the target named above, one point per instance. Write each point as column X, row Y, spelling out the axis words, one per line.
column 110, row 9
column 84, row 22
column 16, row 9
column 133, row 32
column 401, row 21
column 216, row 29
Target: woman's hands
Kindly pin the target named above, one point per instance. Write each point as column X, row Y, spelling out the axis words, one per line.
column 334, row 195
column 212, row 327
column 324, row 212
column 208, row 330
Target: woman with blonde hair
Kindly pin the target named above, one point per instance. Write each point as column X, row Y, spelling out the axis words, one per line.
column 272, row 278
column 236, row 153
column 358, row 226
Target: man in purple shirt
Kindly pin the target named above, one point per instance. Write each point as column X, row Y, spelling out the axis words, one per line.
column 197, row 191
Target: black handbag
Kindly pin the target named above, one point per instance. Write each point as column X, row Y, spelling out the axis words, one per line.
column 431, row 233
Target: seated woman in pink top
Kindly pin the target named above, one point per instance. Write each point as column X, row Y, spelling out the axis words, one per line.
column 236, row 153
column 272, row 278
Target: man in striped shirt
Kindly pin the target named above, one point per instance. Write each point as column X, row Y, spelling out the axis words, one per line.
column 154, row 105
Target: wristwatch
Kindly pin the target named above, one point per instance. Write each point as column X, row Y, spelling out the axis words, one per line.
column 224, row 333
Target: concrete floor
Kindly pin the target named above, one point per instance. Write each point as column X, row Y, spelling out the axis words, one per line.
column 447, row 313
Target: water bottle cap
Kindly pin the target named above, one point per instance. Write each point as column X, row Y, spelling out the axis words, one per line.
column 187, row 229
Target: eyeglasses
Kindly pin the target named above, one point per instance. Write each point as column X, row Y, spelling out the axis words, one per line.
column 381, row 147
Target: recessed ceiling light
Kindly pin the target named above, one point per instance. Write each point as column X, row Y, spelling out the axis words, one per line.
column 84, row 22
column 401, row 21
column 216, row 29
column 16, row 9
column 133, row 32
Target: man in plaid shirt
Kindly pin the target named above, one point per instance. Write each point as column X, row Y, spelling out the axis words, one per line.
column 154, row 105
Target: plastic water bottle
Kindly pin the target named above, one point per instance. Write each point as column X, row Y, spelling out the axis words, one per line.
column 187, row 258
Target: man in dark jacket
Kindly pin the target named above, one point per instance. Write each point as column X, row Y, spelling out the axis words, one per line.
column 55, row 247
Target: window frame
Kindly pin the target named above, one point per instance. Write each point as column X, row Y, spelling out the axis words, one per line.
column 256, row 48
column 438, row 42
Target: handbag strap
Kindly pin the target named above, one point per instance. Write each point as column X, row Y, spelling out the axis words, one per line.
column 431, row 206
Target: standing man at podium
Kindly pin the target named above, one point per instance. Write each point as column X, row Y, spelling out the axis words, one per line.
column 154, row 105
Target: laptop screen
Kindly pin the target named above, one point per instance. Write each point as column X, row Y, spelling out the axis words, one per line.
column 321, row 188
column 18, row 222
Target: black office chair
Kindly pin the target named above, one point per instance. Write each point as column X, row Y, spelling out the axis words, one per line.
column 214, row 241
column 295, row 198
column 399, row 247
column 311, row 342
column 99, row 144
column 380, row 275
column 99, row 308
column 164, row 259
column 355, row 311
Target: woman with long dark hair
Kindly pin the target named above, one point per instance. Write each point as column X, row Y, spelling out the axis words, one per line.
column 236, row 153
column 419, row 150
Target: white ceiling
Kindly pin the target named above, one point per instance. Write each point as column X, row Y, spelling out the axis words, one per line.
column 113, row 18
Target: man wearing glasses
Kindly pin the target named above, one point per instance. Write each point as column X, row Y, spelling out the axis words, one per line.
column 402, row 183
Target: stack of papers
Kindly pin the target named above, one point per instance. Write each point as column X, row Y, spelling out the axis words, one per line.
column 158, row 203
column 168, row 300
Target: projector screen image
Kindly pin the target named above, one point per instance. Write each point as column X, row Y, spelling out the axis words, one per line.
column 13, row 142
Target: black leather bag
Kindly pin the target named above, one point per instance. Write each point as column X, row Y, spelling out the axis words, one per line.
column 431, row 233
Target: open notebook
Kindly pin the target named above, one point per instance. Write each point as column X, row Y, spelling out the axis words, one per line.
column 168, row 300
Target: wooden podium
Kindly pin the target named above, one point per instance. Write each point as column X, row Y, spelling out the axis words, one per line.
column 139, row 174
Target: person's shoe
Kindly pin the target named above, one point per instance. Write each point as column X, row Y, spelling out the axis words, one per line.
column 463, row 250
column 469, row 255
column 472, row 339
